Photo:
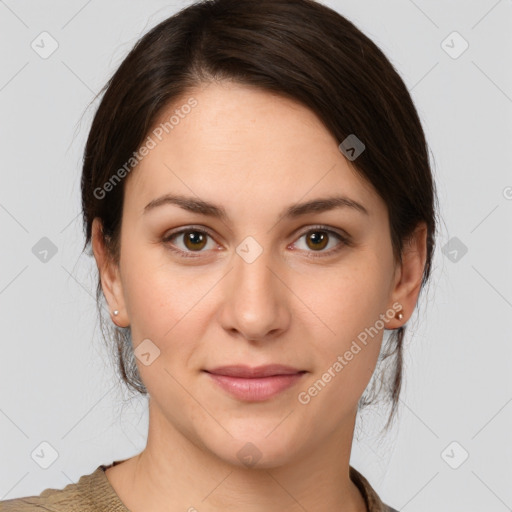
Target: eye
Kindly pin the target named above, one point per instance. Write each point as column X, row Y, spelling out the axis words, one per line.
column 194, row 240
column 320, row 237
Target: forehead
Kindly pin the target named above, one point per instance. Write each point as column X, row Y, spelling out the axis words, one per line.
column 239, row 144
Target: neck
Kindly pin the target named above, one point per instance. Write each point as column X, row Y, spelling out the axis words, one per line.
column 174, row 470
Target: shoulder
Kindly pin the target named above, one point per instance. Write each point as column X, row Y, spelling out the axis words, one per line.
column 75, row 497
column 372, row 499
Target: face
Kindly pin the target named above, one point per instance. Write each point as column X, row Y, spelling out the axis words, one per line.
column 240, row 271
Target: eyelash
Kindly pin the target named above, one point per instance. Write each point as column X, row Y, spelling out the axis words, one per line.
column 345, row 241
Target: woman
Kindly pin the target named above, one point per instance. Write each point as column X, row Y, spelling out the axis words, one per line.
column 278, row 140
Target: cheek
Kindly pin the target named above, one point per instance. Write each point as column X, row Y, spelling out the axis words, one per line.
column 344, row 369
column 168, row 305
column 157, row 299
column 148, row 301
column 349, row 338
column 346, row 354
column 159, row 314
column 352, row 298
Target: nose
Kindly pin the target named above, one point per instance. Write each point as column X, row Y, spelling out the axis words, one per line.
column 255, row 300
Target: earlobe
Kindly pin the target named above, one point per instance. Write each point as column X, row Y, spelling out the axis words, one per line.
column 410, row 274
column 109, row 275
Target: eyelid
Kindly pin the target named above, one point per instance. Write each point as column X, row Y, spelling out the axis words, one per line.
column 187, row 254
column 343, row 237
column 322, row 227
column 192, row 227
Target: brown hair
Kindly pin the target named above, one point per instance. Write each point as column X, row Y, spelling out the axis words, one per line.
column 300, row 49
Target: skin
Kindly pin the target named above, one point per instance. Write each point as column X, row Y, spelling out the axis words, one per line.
column 254, row 154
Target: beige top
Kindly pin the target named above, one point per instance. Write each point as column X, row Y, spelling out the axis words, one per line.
column 93, row 493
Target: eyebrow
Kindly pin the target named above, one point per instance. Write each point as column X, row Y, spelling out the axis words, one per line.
column 196, row 205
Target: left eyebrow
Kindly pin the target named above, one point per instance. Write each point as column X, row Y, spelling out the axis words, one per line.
column 196, row 205
column 323, row 205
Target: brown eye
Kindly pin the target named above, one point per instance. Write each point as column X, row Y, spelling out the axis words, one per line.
column 190, row 241
column 194, row 240
column 317, row 239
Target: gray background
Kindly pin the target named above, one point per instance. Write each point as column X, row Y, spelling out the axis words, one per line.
column 56, row 379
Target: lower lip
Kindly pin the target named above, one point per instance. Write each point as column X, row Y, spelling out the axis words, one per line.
column 258, row 389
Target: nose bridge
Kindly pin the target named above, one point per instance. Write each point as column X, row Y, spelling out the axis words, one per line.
column 254, row 277
column 254, row 303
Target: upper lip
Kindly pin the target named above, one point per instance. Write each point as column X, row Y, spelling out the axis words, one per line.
column 249, row 372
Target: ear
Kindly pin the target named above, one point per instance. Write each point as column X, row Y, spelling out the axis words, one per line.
column 109, row 275
column 409, row 274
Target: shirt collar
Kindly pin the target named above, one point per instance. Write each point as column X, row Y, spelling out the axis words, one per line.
column 99, row 482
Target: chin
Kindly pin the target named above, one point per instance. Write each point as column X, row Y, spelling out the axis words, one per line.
column 254, row 448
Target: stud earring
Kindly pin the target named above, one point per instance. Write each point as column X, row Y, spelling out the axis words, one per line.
column 399, row 315
column 116, row 312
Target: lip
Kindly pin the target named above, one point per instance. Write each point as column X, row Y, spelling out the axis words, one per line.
column 250, row 372
column 255, row 384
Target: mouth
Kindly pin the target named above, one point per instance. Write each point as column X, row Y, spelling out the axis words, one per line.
column 255, row 384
